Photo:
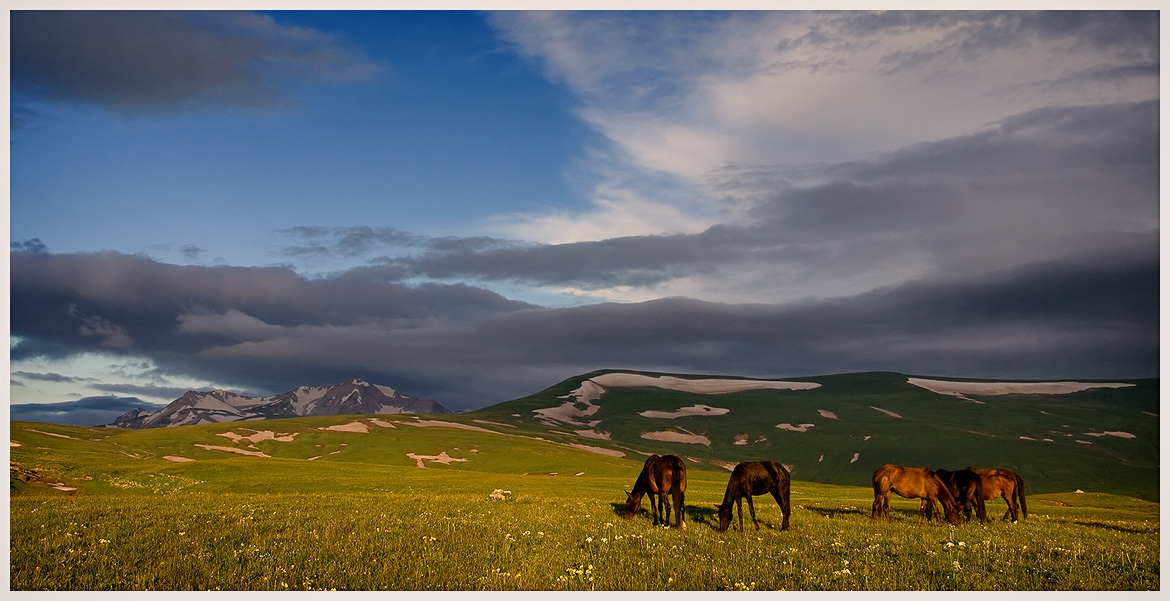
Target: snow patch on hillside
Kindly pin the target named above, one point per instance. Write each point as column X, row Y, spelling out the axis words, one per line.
column 442, row 457
column 675, row 436
column 423, row 423
column 211, row 447
column 1111, row 433
column 599, row 450
column 571, row 411
column 792, row 428
column 700, row 386
column 686, row 411
column 958, row 389
column 886, row 411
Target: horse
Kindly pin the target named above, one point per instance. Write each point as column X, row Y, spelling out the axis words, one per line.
column 999, row 482
column 967, row 488
column 755, row 478
column 661, row 476
column 911, row 483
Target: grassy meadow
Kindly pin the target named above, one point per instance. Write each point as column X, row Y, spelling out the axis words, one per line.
column 368, row 518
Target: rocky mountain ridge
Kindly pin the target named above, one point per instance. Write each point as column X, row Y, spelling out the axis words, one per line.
column 355, row 397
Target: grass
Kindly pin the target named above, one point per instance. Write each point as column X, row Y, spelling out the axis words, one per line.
column 366, row 518
column 557, row 533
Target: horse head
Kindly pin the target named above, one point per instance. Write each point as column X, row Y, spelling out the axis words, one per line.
column 724, row 516
column 633, row 504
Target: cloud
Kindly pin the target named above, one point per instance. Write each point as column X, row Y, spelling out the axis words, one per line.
column 89, row 411
column 1089, row 316
column 1026, row 190
column 47, row 377
column 166, row 60
column 690, row 95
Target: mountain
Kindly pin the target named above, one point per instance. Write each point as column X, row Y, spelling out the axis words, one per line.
column 355, row 397
column 836, row 429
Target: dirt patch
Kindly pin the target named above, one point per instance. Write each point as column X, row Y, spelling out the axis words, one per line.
column 211, row 447
column 827, row 414
column 741, row 440
column 886, row 411
column 792, row 428
column 686, row 411
column 13, row 443
column 382, row 424
column 958, row 389
column 177, row 459
column 443, row 458
column 350, row 427
column 675, row 436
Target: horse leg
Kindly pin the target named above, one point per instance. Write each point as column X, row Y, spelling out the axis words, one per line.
column 781, row 496
column 739, row 511
column 752, row 509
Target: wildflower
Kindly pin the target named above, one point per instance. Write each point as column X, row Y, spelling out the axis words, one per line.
column 588, row 539
column 962, row 544
column 957, row 566
column 605, row 540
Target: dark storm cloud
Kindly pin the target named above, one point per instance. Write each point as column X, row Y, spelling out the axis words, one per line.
column 46, row 377
column 89, row 411
column 163, row 60
column 1086, row 316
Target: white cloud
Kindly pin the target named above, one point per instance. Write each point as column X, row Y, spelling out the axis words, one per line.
column 689, row 95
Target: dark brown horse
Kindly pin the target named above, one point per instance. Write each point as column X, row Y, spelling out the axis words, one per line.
column 967, row 488
column 911, row 483
column 661, row 476
column 755, row 478
column 999, row 482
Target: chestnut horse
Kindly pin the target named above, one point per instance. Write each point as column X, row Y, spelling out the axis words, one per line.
column 661, row 476
column 911, row 483
column 755, row 478
column 999, row 482
column 967, row 488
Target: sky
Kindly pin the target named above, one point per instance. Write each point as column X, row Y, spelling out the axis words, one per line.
column 473, row 206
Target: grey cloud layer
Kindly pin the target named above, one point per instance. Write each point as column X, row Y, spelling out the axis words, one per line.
column 162, row 60
column 1036, row 187
column 1085, row 317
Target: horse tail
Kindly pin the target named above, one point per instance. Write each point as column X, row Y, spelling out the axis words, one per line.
column 1020, row 489
column 678, row 486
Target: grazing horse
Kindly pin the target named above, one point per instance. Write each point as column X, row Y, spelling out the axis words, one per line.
column 661, row 476
column 755, row 478
column 967, row 488
column 999, row 482
column 911, row 483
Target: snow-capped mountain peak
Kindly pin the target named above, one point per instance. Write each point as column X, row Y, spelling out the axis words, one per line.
column 355, row 397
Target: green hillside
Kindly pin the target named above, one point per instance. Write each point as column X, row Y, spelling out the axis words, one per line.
column 860, row 421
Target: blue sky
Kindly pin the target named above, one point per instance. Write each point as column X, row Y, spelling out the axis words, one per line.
column 471, row 206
